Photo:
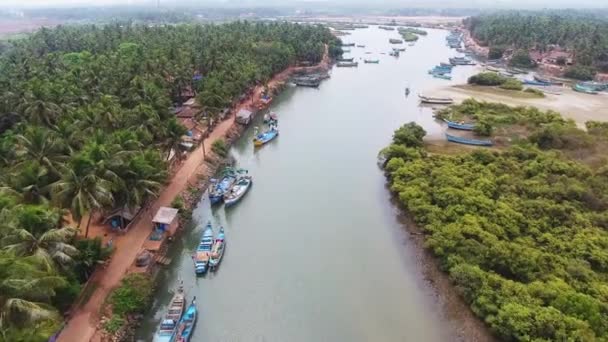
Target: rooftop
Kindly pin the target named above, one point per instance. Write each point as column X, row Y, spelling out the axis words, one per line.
column 165, row 215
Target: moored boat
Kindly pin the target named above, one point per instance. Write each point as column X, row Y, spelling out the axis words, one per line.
column 535, row 83
column 219, row 189
column 217, row 251
column 185, row 329
column 203, row 251
column 436, row 100
column 372, row 61
column 395, row 41
column 442, row 76
column 348, row 44
column 265, row 137
column 347, row 64
column 307, row 82
column 585, row 90
column 170, row 320
column 467, row 141
column 346, row 59
column 360, row 46
column 238, row 190
column 394, row 53
column 461, row 126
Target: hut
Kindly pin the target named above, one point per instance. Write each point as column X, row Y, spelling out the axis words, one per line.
column 165, row 223
column 121, row 218
column 244, row 116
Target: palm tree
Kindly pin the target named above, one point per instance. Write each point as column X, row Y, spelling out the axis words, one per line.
column 43, row 146
column 48, row 248
column 40, row 111
column 82, row 192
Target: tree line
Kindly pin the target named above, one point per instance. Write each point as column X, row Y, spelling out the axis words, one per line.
column 522, row 232
column 584, row 33
column 86, row 126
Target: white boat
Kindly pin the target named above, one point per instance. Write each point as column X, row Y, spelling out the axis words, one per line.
column 217, row 252
column 238, row 190
column 436, row 100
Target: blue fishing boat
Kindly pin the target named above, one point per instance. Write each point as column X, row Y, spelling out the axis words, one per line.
column 536, row 83
column 217, row 252
column 461, row 126
column 265, row 137
column 185, row 329
column 216, row 194
column 203, row 251
column 238, row 190
column 585, row 90
column 170, row 320
column 467, row 141
column 442, row 76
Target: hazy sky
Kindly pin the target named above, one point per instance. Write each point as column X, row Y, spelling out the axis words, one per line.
column 380, row 3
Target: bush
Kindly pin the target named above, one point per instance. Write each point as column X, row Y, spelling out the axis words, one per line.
column 132, row 295
column 496, row 52
column 178, row 203
column 220, row 148
column 512, row 84
column 522, row 59
column 409, row 135
column 114, row 324
column 580, row 72
column 484, row 128
column 534, row 91
column 487, row 79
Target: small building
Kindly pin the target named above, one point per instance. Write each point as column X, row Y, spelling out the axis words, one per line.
column 244, row 116
column 121, row 219
column 165, row 223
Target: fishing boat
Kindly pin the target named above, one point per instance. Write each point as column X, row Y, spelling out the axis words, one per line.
column 168, row 324
column 442, row 76
column 394, row 53
column 410, row 44
column 407, row 91
column 307, row 82
column 346, row 59
column 368, row 52
column 395, row 41
column 347, row 64
column 446, row 65
column 348, row 44
column 203, row 251
column 386, row 28
column 360, row 46
column 436, row 100
column 467, row 141
column 542, row 79
column 219, row 189
column 492, row 69
column 372, row 61
column 535, row 83
column 186, row 325
column 265, row 137
column 585, row 90
column 345, row 50
column 461, row 61
column 217, row 252
column 461, row 126
column 238, row 190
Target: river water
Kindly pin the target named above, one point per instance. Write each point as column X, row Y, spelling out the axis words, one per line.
column 315, row 251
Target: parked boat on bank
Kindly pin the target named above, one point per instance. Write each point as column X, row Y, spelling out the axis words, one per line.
column 348, row 44
column 265, row 137
column 185, row 330
column 395, row 41
column 442, row 76
column 372, row 61
column 459, row 125
column 467, row 141
column 585, row 90
column 347, row 64
column 228, row 177
column 203, row 251
column 436, row 100
column 238, row 190
column 345, row 59
column 217, row 251
column 169, row 322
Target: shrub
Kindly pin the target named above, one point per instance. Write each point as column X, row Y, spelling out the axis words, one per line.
column 132, row 295
column 534, row 91
column 484, row 128
column 487, row 79
column 522, row 59
column 496, row 52
column 178, row 203
column 114, row 324
column 580, row 72
column 512, row 84
column 409, row 135
column 220, row 148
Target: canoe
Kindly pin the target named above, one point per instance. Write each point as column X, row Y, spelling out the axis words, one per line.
column 535, row 83
column 461, row 126
column 442, row 76
column 436, row 100
column 395, row 41
column 185, row 329
column 203, row 251
column 265, row 137
column 347, row 64
column 585, row 90
column 348, row 44
column 217, row 252
column 360, row 46
column 346, row 59
column 372, row 61
column 169, row 322
column 219, row 189
column 238, row 190
column 467, row 141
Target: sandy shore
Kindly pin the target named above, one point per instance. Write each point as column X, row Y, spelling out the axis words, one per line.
column 572, row 105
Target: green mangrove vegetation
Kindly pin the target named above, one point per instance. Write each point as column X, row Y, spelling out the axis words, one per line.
column 522, row 232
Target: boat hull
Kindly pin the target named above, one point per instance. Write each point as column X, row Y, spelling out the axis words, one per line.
column 230, row 201
column 465, row 141
column 463, row 127
column 265, row 138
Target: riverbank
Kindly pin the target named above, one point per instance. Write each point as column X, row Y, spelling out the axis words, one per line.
column 572, row 105
column 83, row 324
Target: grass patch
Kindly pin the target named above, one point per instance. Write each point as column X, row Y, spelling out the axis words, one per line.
column 499, row 91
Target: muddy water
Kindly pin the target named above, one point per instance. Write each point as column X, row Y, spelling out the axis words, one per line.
column 315, row 250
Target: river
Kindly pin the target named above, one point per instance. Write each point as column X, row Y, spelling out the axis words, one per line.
column 315, row 251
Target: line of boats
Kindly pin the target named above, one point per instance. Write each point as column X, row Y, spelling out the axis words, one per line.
column 442, row 71
column 461, row 140
column 232, row 186
column 177, row 325
column 454, row 40
column 210, row 250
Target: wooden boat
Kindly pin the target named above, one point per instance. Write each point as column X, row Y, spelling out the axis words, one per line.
column 467, row 141
column 360, row 46
column 535, row 83
column 541, row 79
column 265, row 137
column 372, row 61
column 219, row 189
column 348, row 44
column 436, row 100
column 442, row 76
column 394, row 53
column 446, row 65
column 185, row 329
column 346, row 59
column 239, row 189
column 217, row 251
column 585, row 90
column 169, row 322
column 461, row 126
column 395, row 41
column 345, row 50
column 368, row 52
column 347, row 64
column 308, row 82
column 492, row 69
column 386, row 28
column 411, row 44
column 461, row 61
column 203, row 251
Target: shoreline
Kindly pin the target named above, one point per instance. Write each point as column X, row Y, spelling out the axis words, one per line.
column 84, row 322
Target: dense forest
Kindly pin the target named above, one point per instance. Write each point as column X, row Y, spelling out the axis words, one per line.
column 584, row 33
column 522, row 232
column 86, row 126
